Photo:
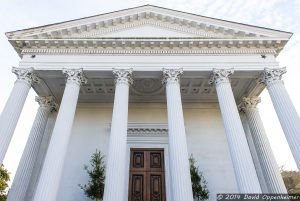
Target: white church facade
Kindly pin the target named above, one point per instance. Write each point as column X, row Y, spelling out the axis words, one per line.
column 148, row 86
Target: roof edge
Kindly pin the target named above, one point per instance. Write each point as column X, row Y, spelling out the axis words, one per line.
column 147, row 5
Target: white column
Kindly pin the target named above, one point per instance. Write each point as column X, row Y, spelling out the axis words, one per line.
column 266, row 158
column 240, row 154
column 25, row 168
column 14, row 105
column 41, row 157
column 286, row 112
column 179, row 163
column 116, row 162
column 259, row 172
column 52, row 169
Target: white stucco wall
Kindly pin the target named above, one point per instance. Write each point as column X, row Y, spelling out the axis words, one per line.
column 205, row 137
column 207, row 142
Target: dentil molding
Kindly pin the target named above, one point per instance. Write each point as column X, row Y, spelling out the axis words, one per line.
column 147, row 130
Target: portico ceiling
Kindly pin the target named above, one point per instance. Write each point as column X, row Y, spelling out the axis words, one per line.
column 147, row 86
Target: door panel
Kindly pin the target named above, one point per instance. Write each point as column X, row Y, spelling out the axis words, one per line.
column 137, row 186
column 156, row 187
column 147, row 175
column 137, row 161
column 156, row 161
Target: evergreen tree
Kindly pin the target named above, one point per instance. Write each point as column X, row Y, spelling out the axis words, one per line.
column 95, row 187
column 199, row 185
column 4, row 178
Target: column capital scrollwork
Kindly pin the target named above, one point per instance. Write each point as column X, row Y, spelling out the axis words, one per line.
column 172, row 75
column 219, row 76
column 270, row 75
column 26, row 74
column 123, row 76
column 249, row 103
column 75, row 75
column 47, row 102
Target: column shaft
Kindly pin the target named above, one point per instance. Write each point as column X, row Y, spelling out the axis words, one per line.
column 116, row 163
column 268, row 163
column 287, row 116
column 286, row 112
column 13, row 108
column 240, row 154
column 178, row 153
column 260, row 174
column 53, row 165
column 11, row 114
column 41, row 157
column 25, row 168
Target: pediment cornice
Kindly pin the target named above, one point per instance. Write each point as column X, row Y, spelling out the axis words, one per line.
column 145, row 14
column 93, row 31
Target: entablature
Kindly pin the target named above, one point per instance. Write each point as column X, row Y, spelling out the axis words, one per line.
column 144, row 46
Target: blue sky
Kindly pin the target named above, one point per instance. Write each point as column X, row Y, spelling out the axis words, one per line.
column 276, row 14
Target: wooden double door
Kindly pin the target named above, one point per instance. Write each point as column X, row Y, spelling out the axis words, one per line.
column 147, row 175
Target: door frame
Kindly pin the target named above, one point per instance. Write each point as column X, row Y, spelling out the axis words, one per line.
column 150, row 141
column 146, row 170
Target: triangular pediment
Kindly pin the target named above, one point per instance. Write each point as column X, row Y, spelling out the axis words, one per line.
column 148, row 29
column 135, row 22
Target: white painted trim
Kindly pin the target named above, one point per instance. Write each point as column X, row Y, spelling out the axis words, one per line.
column 186, row 51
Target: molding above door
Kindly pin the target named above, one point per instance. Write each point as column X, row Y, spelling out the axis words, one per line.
column 147, row 133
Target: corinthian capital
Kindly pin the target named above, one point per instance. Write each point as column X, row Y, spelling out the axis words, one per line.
column 47, row 102
column 250, row 102
column 172, row 75
column 75, row 75
column 221, row 76
column 26, row 74
column 123, row 76
column 271, row 75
